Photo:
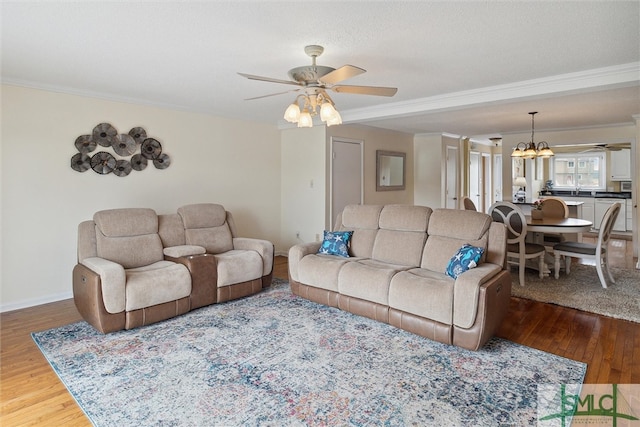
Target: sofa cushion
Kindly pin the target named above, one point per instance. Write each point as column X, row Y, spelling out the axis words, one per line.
column 238, row 266
column 206, row 225
column 336, row 243
column 157, row 283
column 467, row 257
column 448, row 230
column 128, row 236
column 202, row 215
column 368, row 280
column 402, row 234
column 321, row 271
column 363, row 221
column 423, row 293
column 171, row 230
column 126, row 222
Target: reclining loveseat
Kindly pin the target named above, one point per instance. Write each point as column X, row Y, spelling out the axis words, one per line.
column 136, row 267
column 402, row 268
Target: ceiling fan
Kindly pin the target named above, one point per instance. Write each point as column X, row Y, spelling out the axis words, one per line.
column 314, row 81
column 604, row 147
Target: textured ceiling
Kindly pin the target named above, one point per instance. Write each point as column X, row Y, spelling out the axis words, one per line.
column 469, row 68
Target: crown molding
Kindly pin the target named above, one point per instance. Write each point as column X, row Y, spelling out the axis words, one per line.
column 563, row 84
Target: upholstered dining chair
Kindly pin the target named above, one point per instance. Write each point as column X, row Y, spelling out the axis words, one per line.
column 518, row 251
column 597, row 251
column 468, row 204
column 554, row 207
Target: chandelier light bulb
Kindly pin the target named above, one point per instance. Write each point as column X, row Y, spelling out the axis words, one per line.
column 327, row 111
column 305, row 120
column 335, row 119
column 292, row 113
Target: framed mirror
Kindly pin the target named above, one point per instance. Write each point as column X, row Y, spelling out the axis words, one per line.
column 390, row 170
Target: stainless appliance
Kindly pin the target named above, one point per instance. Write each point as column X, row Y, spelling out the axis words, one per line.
column 625, row 186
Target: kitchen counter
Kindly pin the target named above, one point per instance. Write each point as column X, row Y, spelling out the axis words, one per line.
column 596, row 195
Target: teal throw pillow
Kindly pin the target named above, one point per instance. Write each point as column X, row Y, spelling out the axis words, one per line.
column 336, row 243
column 467, row 257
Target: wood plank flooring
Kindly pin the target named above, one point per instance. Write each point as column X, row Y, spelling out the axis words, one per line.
column 32, row 395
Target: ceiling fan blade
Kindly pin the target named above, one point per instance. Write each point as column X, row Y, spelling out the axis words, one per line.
column 271, row 94
column 269, row 79
column 343, row 73
column 366, row 90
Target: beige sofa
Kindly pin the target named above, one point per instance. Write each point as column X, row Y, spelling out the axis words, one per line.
column 136, row 267
column 396, row 272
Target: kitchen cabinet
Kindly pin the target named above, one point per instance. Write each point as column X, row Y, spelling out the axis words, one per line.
column 620, row 165
column 587, row 209
column 601, row 206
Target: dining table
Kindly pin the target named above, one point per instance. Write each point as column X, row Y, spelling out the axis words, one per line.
column 571, row 228
column 558, row 226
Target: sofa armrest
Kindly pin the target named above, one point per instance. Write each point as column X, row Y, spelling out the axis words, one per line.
column 296, row 253
column 183, row 250
column 263, row 247
column 113, row 278
column 466, row 290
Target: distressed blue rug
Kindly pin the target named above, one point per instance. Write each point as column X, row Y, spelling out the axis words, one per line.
column 274, row 359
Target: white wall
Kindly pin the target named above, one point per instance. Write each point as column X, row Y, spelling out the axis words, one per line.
column 428, row 182
column 303, row 185
column 234, row 163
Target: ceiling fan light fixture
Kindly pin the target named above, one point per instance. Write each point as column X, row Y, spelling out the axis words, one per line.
column 335, row 119
column 305, row 120
column 292, row 113
column 327, row 111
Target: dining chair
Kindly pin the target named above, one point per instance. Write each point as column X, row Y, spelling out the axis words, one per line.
column 554, row 207
column 517, row 249
column 468, row 204
column 597, row 252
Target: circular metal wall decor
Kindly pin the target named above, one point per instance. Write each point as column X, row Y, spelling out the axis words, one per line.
column 124, row 145
column 138, row 162
column 85, row 144
column 80, row 162
column 104, row 134
column 138, row 134
column 162, row 162
column 151, row 148
column 123, row 168
column 103, row 162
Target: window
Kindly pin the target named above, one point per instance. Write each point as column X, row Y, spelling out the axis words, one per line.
column 572, row 170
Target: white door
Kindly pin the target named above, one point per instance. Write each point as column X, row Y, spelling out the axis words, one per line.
column 451, row 176
column 486, row 178
column 475, row 179
column 346, row 174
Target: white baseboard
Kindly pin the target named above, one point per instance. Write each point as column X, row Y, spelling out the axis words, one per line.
column 284, row 254
column 36, row 301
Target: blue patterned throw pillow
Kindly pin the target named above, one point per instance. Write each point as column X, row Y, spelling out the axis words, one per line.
column 336, row 243
column 467, row 257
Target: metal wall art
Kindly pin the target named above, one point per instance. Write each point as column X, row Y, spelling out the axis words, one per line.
column 123, row 145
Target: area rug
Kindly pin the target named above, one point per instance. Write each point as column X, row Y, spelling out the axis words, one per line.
column 581, row 289
column 275, row 359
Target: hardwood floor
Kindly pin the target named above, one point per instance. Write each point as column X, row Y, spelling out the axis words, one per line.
column 31, row 393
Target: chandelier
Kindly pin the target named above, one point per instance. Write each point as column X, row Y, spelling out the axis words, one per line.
column 305, row 106
column 530, row 150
